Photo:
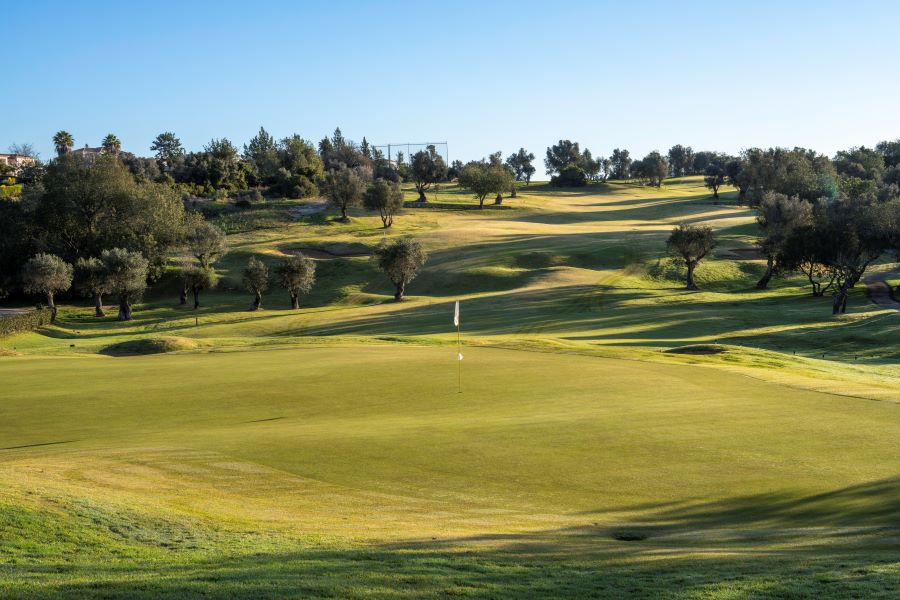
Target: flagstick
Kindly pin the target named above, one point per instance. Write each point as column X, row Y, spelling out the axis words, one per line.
column 458, row 362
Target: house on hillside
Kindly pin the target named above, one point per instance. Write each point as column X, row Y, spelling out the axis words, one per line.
column 88, row 152
column 16, row 161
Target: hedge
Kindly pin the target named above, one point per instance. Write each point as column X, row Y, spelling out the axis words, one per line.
column 25, row 321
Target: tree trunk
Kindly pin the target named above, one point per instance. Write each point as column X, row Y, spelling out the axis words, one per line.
column 763, row 283
column 481, row 203
column 98, row 306
column 398, row 294
column 344, row 214
column 182, row 300
column 512, row 193
column 716, row 192
column 498, row 199
column 839, row 300
column 196, row 297
column 421, row 191
column 295, row 302
column 836, row 303
column 691, row 284
column 124, row 310
column 52, row 306
column 257, row 300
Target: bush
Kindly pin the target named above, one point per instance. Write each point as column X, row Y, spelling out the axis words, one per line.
column 9, row 192
column 570, row 176
column 25, row 322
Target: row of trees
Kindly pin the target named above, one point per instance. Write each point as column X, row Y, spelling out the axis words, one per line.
column 830, row 240
column 123, row 273
column 569, row 166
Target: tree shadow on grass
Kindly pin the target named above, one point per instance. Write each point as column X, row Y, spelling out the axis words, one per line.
column 839, row 544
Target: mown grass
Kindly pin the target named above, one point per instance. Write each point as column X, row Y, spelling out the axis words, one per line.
column 326, row 451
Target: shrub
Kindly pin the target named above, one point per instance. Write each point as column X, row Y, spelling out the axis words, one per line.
column 10, row 192
column 25, row 321
column 570, row 176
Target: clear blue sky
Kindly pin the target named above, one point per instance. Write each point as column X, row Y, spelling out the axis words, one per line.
column 484, row 75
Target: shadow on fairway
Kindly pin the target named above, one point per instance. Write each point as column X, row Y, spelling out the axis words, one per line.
column 756, row 547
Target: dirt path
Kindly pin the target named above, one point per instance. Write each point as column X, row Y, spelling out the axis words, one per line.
column 879, row 291
column 311, row 208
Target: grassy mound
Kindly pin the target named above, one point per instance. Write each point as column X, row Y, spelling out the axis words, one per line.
column 698, row 349
column 157, row 345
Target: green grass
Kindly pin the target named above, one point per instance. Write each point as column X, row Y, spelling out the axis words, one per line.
column 597, row 448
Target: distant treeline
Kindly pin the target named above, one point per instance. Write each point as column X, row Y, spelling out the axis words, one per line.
column 103, row 208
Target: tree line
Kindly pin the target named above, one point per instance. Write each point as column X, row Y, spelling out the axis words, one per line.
column 826, row 218
column 91, row 223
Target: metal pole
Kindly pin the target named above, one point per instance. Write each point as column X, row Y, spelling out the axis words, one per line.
column 458, row 362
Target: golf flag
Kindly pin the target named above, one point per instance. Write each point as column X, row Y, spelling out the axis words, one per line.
column 456, row 315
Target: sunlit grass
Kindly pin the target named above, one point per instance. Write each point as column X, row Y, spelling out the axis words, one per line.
column 326, row 451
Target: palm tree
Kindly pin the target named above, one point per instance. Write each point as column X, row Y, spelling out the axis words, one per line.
column 63, row 141
column 111, row 144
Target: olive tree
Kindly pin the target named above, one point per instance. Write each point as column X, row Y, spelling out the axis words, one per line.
column 426, row 167
column 483, row 179
column 654, row 168
column 714, row 178
column 344, row 188
column 859, row 232
column 207, row 244
column 126, row 277
column 521, row 165
column 199, row 278
column 778, row 216
column 296, row 274
column 256, row 280
column 92, row 282
column 47, row 274
column 401, row 260
column 384, row 197
column 689, row 244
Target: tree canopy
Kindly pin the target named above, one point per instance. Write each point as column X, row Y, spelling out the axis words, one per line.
column 385, row 198
column 426, row 168
column 296, row 274
column 483, row 179
column 401, row 260
column 689, row 244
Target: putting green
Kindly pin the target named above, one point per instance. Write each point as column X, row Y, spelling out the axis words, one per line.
column 531, row 432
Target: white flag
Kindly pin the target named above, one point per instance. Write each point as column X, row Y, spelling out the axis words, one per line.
column 459, row 354
column 456, row 319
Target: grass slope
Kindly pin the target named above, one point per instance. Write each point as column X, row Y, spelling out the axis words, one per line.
column 326, row 452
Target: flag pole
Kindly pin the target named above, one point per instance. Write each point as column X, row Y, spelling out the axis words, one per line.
column 458, row 361
column 458, row 349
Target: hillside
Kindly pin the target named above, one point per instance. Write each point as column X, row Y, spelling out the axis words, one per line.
column 327, row 451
